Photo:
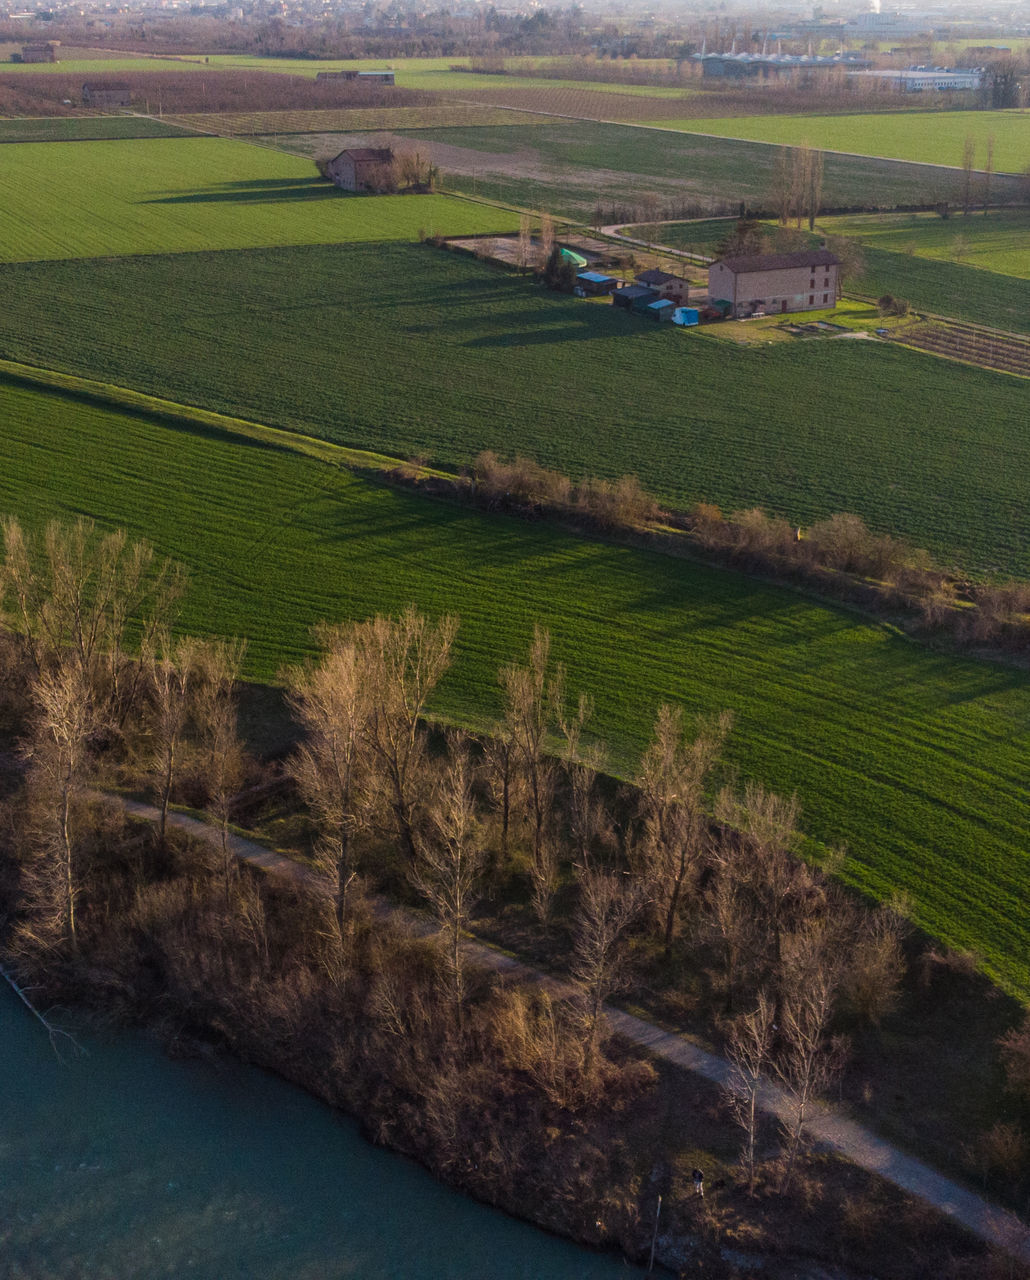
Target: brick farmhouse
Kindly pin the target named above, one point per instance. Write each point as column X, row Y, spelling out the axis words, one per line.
column 359, row 169
column 775, row 282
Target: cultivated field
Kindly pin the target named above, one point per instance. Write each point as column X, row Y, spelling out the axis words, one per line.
column 85, row 129
column 572, row 167
column 413, row 351
column 931, row 137
column 76, row 200
column 98, row 65
column 999, row 242
column 931, row 800
column 945, row 288
column 354, row 119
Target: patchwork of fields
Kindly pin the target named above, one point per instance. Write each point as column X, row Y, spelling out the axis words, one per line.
column 930, row 137
column 413, row 351
column 81, row 200
column 275, row 542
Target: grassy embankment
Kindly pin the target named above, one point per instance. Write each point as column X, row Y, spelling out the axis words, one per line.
column 985, row 288
column 930, row 137
column 180, row 194
column 476, row 358
column 275, row 542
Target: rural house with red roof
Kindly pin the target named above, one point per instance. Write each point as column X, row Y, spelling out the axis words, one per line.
column 360, row 169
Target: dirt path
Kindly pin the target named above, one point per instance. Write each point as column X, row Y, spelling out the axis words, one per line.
column 827, row 1126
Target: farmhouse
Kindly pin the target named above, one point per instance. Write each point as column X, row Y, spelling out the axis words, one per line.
column 769, row 282
column 675, row 288
column 106, row 94
column 358, row 169
column 40, row 52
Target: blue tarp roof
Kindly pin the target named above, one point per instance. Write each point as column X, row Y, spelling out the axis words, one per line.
column 594, row 277
column 661, row 304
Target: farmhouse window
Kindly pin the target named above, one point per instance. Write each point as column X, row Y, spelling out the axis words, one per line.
column 811, row 283
column 826, row 297
column 826, row 283
column 811, row 299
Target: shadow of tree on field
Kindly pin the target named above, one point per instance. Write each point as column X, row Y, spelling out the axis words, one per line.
column 255, row 191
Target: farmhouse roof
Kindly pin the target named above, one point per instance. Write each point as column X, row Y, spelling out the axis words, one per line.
column 635, row 291
column 107, row 86
column 374, row 155
column 779, row 261
column 656, row 277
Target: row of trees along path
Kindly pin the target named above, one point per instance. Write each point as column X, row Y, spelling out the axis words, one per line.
column 828, row 1126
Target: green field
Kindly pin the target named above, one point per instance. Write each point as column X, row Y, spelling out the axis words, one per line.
column 179, row 194
column 411, row 350
column 353, row 119
column 102, row 66
column 931, row 799
column 570, row 167
column 930, row 284
column 999, row 242
column 931, row 137
column 86, row 128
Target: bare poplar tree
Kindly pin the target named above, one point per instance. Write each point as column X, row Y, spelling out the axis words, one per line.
column 749, row 1049
column 588, row 817
column 531, row 696
column 405, row 658
column 546, row 237
column 59, row 770
column 524, row 245
column 673, row 774
column 783, row 186
column 177, row 672
column 814, row 194
column 331, row 702
column 502, row 777
column 609, row 902
column 223, row 751
column 74, row 592
column 448, row 869
column 968, row 160
column 988, row 172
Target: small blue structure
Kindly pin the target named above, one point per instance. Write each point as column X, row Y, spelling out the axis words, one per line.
column 593, row 284
column 686, row 316
column 662, row 309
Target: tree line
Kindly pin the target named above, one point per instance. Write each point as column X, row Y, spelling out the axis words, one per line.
column 501, row 1087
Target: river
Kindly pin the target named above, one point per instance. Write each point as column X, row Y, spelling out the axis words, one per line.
column 120, row 1163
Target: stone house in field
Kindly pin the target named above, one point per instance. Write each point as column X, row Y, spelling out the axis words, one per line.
column 46, row 52
column 675, row 288
column 106, row 94
column 359, row 169
column 775, row 282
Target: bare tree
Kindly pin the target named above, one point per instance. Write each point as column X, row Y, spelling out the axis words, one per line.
column 223, row 751
column 532, row 695
column 73, row 593
column 405, row 658
column 177, row 672
column 968, row 160
column 749, row 1050
column 673, row 774
column 332, row 702
column 59, row 769
column 814, row 186
column 546, row 237
column 502, row 777
column 609, row 902
column 988, row 172
column 588, row 817
column 448, row 869
column 524, row 245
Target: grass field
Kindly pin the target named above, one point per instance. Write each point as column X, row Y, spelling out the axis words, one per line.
column 162, row 195
column 570, row 167
column 86, row 129
column 932, row 800
column 101, row 66
column 931, row 137
column 410, row 350
column 999, row 242
column 946, row 288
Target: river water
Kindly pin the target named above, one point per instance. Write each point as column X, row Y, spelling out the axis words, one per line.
column 121, row 1164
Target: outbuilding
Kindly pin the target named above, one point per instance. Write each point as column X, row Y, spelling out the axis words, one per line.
column 108, row 93
column 662, row 309
column 666, row 285
column 593, row 284
column 636, row 297
column 686, row 316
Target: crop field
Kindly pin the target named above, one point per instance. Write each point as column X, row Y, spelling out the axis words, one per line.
column 477, row 358
column 85, row 129
column 999, row 242
column 101, row 66
column 930, row 137
column 74, row 200
column 931, row 800
column 354, row 119
column 945, row 288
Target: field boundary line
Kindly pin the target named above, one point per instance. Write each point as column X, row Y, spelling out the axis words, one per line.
column 831, row 1129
